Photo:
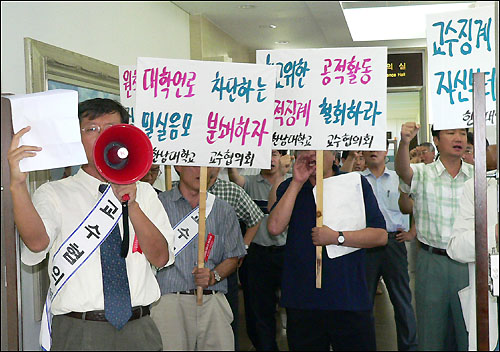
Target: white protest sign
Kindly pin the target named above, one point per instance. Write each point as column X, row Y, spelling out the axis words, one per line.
column 206, row 113
column 329, row 99
column 128, row 79
column 53, row 117
column 459, row 44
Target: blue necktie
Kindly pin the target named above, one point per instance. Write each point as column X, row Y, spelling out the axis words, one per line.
column 117, row 306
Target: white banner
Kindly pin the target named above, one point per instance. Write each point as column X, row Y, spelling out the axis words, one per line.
column 128, row 80
column 206, row 113
column 186, row 230
column 75, row 251
column 459, row 44
column 329, row 99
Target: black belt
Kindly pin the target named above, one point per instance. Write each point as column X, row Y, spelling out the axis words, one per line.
column 193, row 292
column 393, row 234
column 434, row 250
column 98, row 315
column 268, row 248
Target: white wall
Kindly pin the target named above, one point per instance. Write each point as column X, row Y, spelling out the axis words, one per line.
column 109, row 31
column 113, row 32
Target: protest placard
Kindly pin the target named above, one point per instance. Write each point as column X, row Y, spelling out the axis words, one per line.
column 329, row 99
column 128, row 83
column 199, row 113
column 459, row 44
column 206, row 113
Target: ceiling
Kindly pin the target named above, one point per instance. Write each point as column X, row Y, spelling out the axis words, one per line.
column 303, row 24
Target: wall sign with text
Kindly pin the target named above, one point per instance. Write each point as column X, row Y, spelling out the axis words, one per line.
column 404, row 70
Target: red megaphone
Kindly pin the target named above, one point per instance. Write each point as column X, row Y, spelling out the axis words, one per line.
column 123, row 154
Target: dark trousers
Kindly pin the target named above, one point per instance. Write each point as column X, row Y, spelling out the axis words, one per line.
column 318, row 330
column 249, row 313
column 390, row 262
column 265, row 266
column 232, row 298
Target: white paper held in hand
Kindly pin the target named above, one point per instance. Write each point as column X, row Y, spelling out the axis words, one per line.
column 53, row 117
column 343, row 208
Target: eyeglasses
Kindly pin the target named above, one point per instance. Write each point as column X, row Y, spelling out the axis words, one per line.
column 95, row 129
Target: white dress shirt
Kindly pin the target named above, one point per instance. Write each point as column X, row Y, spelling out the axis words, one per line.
column 462, row 249
column 62, row 206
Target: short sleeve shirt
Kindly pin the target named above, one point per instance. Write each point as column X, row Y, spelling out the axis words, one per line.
column 343, row 278
column 258, row 189
column 228, row 243
column 436, row 198
column 62, row 206
column 246, row 210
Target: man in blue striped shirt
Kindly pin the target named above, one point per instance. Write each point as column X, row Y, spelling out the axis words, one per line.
column 390, row 261
column 183, row 325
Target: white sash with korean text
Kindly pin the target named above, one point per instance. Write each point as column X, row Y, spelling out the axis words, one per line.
column 75, row 251
column 186, row 230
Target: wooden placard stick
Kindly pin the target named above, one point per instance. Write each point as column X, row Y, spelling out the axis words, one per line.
column 319, row 212
column 168, row 177
column 201, row 229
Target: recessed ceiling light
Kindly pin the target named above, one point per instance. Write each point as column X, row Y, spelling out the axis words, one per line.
column 272, row 26
column 281, row 42
column 246, row 7
column 393, row 22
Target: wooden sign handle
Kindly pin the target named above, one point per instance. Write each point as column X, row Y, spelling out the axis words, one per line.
column 201, row 229
column 168, row 177
column 319, row 212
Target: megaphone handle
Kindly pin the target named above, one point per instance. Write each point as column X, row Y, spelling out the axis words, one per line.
column 126, row 241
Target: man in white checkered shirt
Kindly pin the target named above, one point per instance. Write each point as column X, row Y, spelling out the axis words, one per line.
column 436, row 189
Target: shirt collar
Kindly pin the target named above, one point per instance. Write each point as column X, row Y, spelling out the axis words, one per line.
column 368, row 172
column 90, row 182
column 176, row 193
column 465, row 168
column 439, row 167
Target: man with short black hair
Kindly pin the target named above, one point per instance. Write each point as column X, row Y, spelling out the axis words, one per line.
column 462, row 248
column 390, row 261
column 436, row 189
column 264, row 262
column 182, row 323
column 339, row 315
column 104, row 304
column 468, row 156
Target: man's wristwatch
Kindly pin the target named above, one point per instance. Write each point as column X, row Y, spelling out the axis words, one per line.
column 217, row 276
column 341, row 238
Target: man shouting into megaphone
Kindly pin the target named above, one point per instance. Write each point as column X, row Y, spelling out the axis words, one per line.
column 98, row 300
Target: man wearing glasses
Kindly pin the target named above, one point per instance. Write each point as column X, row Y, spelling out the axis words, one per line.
column 96, row 308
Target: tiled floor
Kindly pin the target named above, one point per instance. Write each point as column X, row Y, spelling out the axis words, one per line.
column 385, row 327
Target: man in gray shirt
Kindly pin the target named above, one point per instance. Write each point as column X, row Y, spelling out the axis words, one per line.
column 183, row 325
column 264, row 262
